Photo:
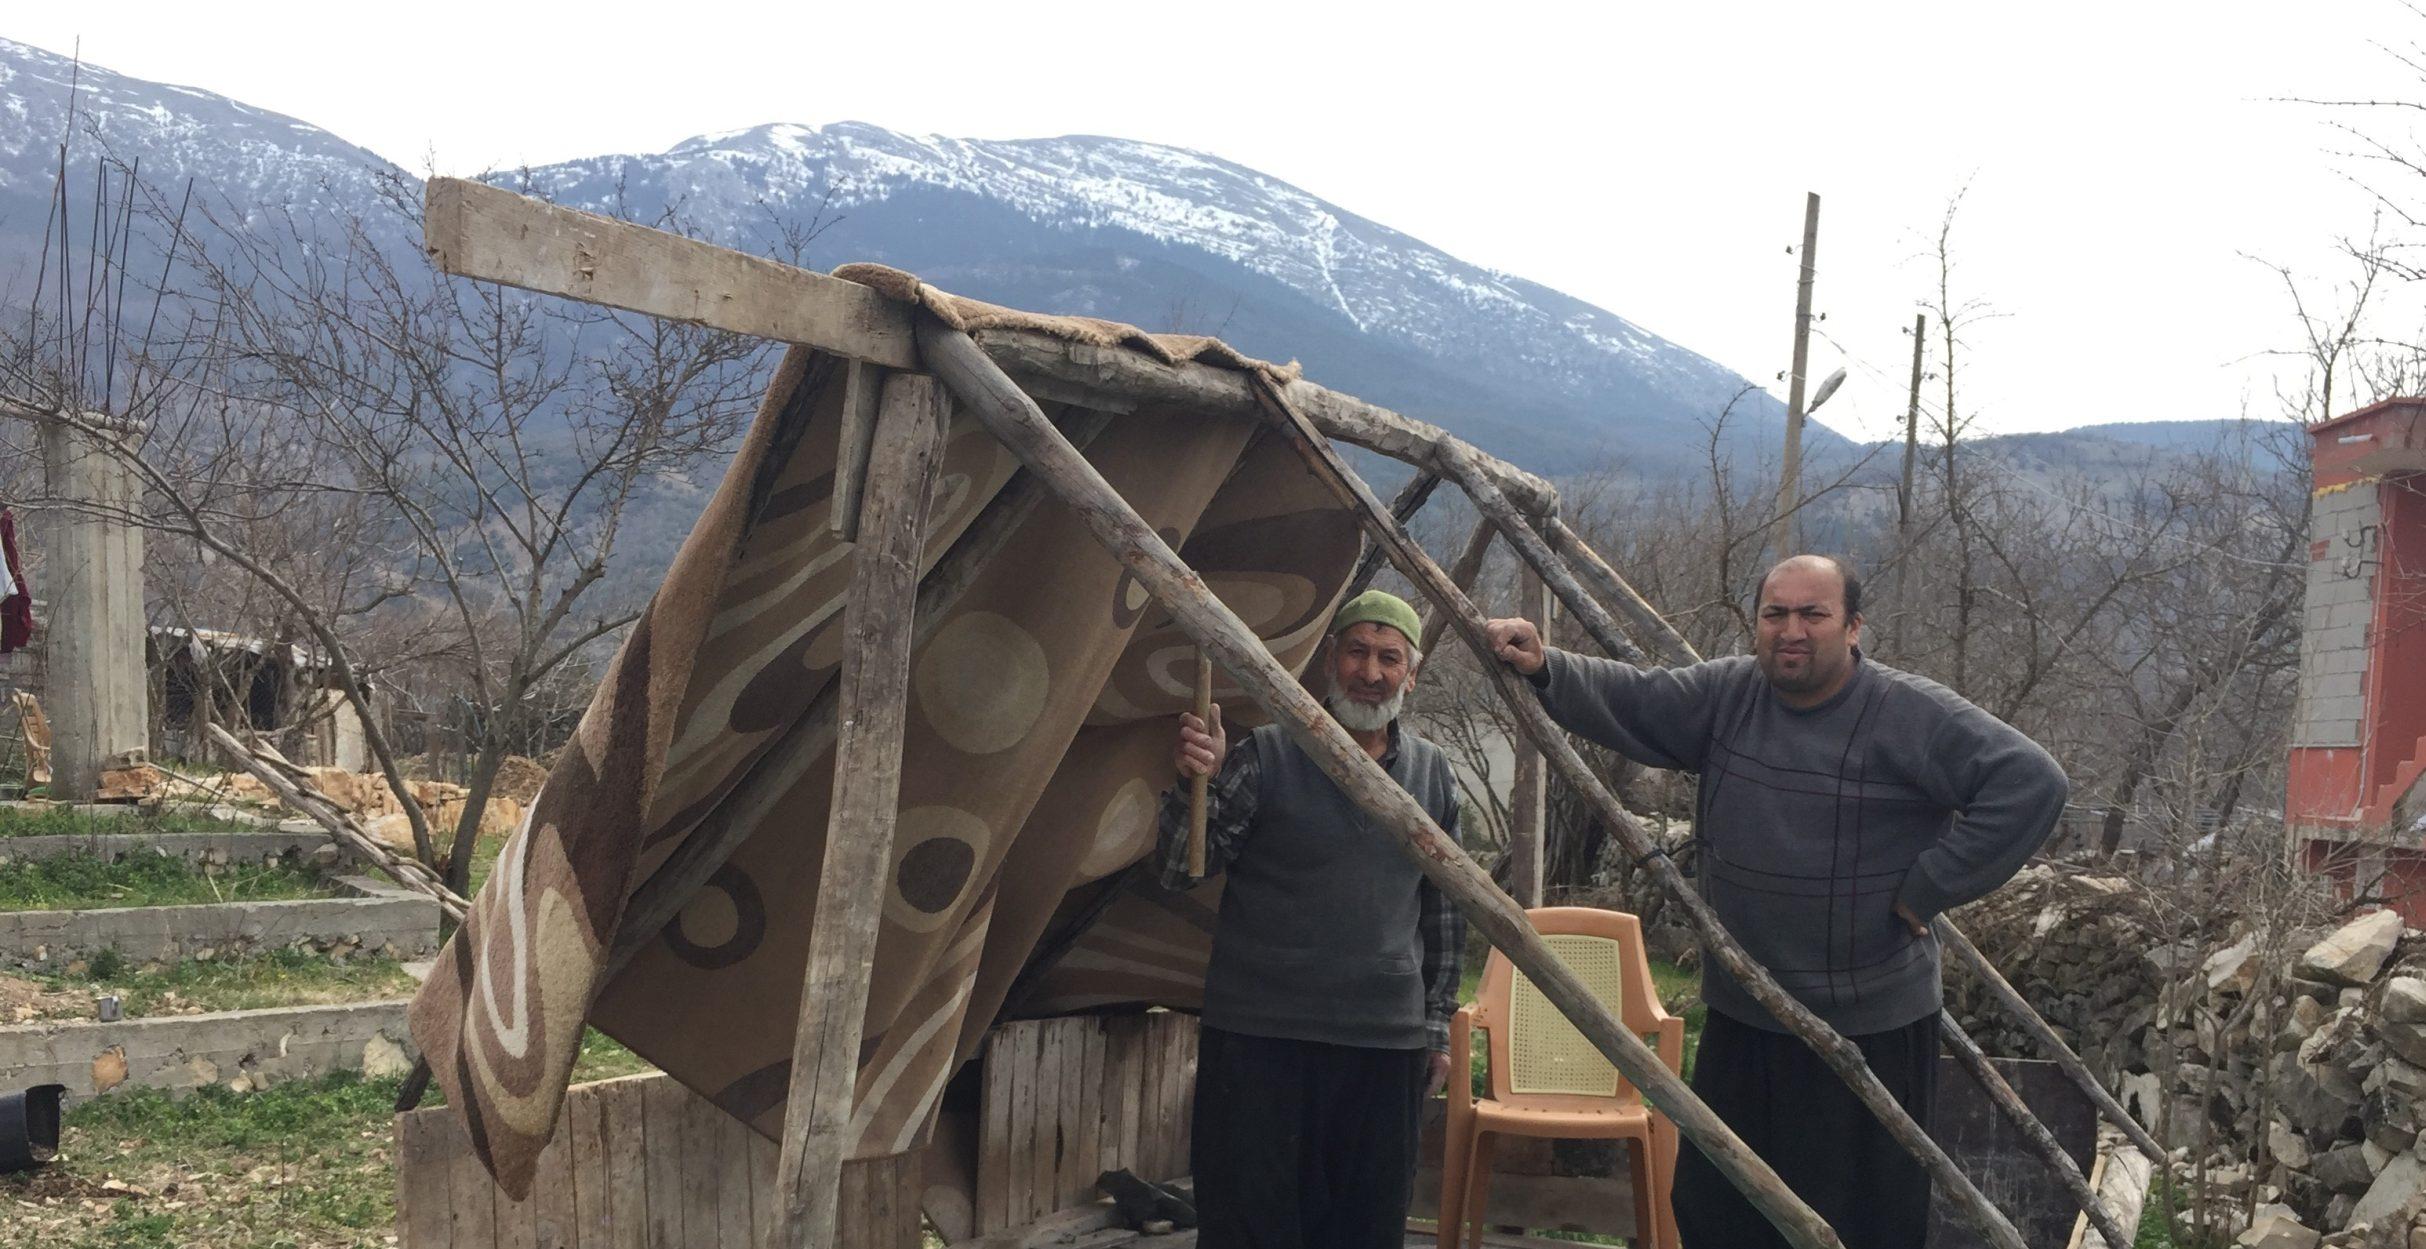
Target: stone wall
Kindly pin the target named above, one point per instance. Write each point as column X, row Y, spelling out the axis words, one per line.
column 380, row 920
column 237, row 1050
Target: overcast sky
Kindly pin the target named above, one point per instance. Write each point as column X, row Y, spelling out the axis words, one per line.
column 2122, row 157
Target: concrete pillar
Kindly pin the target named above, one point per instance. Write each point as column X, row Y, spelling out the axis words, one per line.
column 92, row 576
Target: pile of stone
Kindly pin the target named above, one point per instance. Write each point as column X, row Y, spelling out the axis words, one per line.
column 2290, row 1078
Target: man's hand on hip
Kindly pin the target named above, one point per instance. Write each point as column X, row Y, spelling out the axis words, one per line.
column 1201, row 746
column 1517, row 643
column 1440, row 1075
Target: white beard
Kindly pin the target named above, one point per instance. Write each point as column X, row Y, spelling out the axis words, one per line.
column 1366, row 717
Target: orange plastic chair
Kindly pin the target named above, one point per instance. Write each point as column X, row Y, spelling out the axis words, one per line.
column 1548, row 1081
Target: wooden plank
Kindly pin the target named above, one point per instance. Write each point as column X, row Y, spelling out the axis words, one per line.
column 1023, row 1202
column 554, row 1204
column 628, row 1162
column 585, row 1115
column 518, row 1221
column 877, row 623
column 474, row 230
column 994, row 1136
column 666, row 1107
column 1529, row 790
column 472, row 1201
column 1185, row 1119
column 702, row 1154
column 1052, row 1112
column 1086, row 1099
column 736, row 1222
column 763, row 1155
column 1126, row 1050
column 862, row 385
column 426, row 1141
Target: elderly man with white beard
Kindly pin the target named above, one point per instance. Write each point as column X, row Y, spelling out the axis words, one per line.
column 1334, row 968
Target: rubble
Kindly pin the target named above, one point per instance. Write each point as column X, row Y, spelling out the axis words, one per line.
column 2290, row 1070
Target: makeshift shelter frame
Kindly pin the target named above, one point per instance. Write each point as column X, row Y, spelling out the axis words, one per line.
column 998, row 373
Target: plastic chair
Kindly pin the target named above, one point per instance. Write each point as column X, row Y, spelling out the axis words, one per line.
column 1548, row 1081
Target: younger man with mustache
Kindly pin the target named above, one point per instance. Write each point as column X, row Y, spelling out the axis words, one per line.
column 1335, row 963
column 1843, row 805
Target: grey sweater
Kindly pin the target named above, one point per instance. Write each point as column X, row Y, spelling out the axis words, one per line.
column 1812, row 824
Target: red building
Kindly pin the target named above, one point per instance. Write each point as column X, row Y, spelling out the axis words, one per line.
column 2358, row 739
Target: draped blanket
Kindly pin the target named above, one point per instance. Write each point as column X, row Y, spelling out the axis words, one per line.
column 1039, row 737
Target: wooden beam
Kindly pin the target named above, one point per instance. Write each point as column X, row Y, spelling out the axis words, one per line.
column 296, row 793
column 1840, row 1054
column 1465, row 468
column 1403, row 506
column 2041, row 1141
column 862, row 383
column 475, row 230
column 657, row 901
column 1462, row 574
column 1650, row 628
column 981, row 386
column 875, row 682
column 1529, row 790
column 2037, row 1026
column 1119, row 380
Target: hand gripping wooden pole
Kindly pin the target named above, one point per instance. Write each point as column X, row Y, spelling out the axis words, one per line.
column 876, row 622
column 1202, row 781
column 1840, row 1054
column 981, row 386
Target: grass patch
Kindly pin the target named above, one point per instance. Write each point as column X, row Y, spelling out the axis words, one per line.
column 80, row 881
column 250, row 982
column 306, row 1165
column 68, row 821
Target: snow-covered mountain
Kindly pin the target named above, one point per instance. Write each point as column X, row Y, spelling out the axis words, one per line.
column 1165, row 238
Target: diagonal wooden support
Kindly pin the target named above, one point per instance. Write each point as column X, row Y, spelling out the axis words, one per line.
column 1404, row 505
column 978, row 384
column 1650, row 628
column 1677, row 651
column 1495, row 507
column 876, row 623
column 2041, row 1141
column 2039, row 1029
column 1462, row 572
column 1840, row 1054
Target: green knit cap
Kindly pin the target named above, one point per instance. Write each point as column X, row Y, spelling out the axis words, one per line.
column 1381, row 607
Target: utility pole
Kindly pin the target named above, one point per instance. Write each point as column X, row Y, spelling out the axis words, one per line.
column 1912, row 433
column 1790, row 483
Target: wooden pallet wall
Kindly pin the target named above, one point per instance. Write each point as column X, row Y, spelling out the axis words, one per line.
column 636, row 1163
column 1068, row 1099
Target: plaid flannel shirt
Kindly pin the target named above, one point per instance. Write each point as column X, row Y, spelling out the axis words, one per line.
column 1230, row 803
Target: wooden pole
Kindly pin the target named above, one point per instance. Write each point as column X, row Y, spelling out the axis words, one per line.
column 1469, row 565
column 862, row 385
column 296, row 793
column 1953, row 938
column 1202, row 782
column 1496, row 507
column 655, row 903
column 1651, row 629
column 2041, row 1141
column 1404, row 505
column 1840, row 1054
column 1529, row 791
column 979, row 384
column 875, row 684
column 1790, row 482
column 2039, row 1029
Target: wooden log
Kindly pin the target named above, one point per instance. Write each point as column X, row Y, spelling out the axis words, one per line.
column 875, row 680
column 1650, row 628
column 1122, row 381
column 1409, row 500
column 474, row 230
column 2034, row 1133
column 982, row 386
column 862, row 382
column 296, row 792
column 1528, row 789
column 1840, row 1054
column 2041, row 1031
column 658, row 900
column 1465, row 468
column 1200, row 785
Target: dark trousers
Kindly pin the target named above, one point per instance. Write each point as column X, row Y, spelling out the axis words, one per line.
column 1795, row 1113
column 1302, row 1145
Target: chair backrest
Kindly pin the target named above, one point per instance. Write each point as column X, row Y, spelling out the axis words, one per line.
column 1536, row 1055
